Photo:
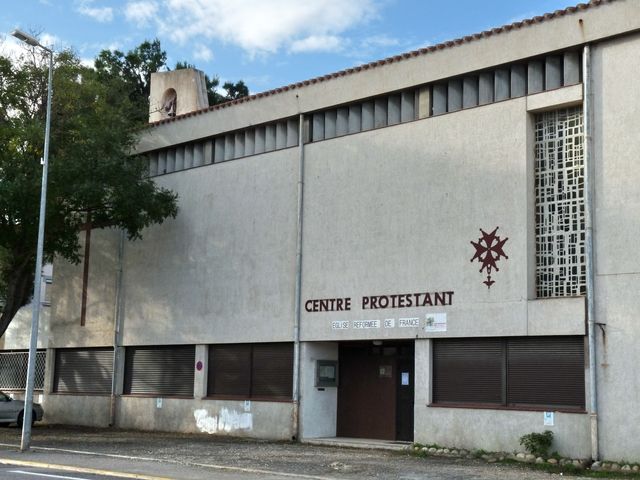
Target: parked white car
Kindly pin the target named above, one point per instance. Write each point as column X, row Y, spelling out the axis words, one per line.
column 12, row 411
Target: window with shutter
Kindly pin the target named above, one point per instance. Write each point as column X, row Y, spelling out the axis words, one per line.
column 260, row 370
column 83, row 370
column 165, row 370
column 516, row 372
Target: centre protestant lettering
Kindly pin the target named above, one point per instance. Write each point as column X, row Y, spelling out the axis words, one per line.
column 375, row 302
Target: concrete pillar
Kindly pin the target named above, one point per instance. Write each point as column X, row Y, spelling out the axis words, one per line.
column 408, row 106
column 208, row 152
column 318, row 127
column 249, row 142
column 281, row 135
column 424, row 102
column 486, row 88
column 469, row 92
column 342, row 121
column 259, row 139
column 439, row 102
column 330, row 117
column 198, row 154
column 229, row 146
column 535, row 77
column 162, row 162
column 572, row 68
column 454, row 95
column 119, row 372
column 393, row 110
column 238, row 145
column 219, row 150
column 171, row 160
column 179, row 165
column 380, row 109
column 292, row 132
column 153, row 164
column 49, row 369
column 270, row 137
column 355, row 118
column 518, row 80
column 200, row 374
column 188, row 156
column 367, row 116
column 502, row 84
column 553, row 72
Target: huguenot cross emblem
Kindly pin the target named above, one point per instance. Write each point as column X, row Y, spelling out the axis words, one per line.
column 489, row 250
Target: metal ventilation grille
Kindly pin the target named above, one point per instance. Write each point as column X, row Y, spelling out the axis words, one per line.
column 560, row 207
column 13, row 370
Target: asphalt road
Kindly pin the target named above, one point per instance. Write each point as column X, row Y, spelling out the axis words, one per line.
column 8, row 472
column 157, row 455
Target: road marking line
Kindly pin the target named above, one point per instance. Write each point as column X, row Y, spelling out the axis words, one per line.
column 68, row 468
column 35, row 474
column 175, row 462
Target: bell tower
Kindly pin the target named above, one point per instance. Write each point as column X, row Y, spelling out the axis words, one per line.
column 176, row 92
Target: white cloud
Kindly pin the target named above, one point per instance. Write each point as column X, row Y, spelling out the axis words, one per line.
column 141, row 12
column 202, row 52
column 379, row 41
column 318, row 43
column 100, row 14
column 259, row 26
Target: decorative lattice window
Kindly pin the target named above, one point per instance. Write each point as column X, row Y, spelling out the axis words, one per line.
column 560, row 207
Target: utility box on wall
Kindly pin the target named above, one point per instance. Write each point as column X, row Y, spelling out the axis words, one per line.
column 326, row 373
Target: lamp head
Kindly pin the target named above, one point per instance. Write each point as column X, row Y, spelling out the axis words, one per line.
column 26, row 38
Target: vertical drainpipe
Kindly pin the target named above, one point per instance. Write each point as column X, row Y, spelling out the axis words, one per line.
column 588, row 189
column 117, row 324
column 298, row 287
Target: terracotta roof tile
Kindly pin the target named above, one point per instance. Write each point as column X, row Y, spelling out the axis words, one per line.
column 397, row 58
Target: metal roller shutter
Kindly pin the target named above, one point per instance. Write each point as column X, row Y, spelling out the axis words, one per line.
column 83, row 370
column 546, row 371
column 272, row 373
column 468, row 371
column 229, row 370
column 166, row 370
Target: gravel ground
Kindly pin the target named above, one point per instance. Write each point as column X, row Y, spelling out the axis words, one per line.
column 281, row 457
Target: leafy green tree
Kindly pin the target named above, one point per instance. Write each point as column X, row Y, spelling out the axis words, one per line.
column 93, row 180
column 134, row 69
column 234, row 90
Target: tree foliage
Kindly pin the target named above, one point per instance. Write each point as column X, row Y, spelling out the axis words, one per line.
column 93, row 182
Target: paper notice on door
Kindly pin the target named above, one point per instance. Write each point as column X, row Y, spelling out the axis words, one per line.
column 405, row 378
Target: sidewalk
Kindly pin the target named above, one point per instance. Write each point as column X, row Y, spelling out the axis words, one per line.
column 156, row 455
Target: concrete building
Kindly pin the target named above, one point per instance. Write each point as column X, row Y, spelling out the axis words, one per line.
column 437, row 247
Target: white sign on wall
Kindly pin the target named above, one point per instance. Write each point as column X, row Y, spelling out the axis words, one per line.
column 548, row 419
column 435, row 322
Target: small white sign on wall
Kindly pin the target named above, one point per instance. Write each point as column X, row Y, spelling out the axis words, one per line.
column 435, row 322
column 247, row 405
column 158, row 402
column 548, row 419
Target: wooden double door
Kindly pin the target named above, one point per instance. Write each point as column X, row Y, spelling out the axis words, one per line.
column 376, row 390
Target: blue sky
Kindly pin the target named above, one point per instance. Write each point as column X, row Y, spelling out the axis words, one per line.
column 267, row 43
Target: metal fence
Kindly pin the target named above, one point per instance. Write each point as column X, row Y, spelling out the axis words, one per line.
column 13, row 370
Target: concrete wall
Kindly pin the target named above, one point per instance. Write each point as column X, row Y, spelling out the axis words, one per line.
column 269, row 420
column 87, row 410
column 66, row 308
column 401, row 206
column 318, row 406
column 617, row 229
column 224, row 269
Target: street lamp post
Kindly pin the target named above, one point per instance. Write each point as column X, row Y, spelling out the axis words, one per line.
column 35, row 319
